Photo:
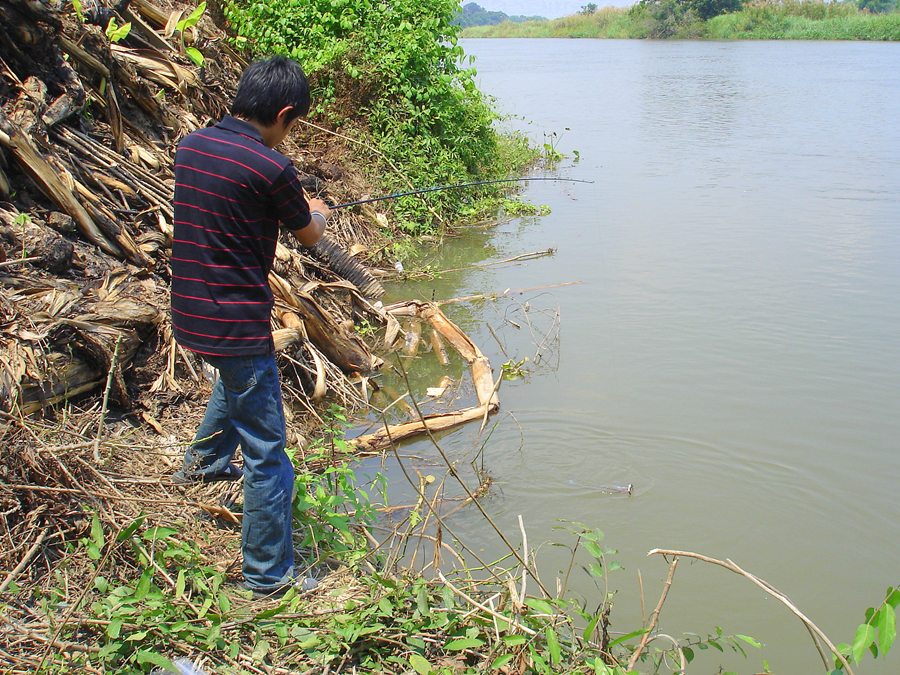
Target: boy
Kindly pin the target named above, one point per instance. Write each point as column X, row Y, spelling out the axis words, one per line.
column 232, row 189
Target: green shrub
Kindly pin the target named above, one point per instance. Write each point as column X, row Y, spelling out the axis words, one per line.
column 394, row 70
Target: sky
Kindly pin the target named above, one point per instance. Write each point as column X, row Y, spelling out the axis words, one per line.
column 547, row 8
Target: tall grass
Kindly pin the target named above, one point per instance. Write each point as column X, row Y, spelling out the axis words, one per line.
column 803, row 21
column 761, row 20
column 609, row 22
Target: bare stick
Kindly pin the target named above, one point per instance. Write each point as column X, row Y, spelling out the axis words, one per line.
column 654, row 617
column 815, row 631
column 465, row 487
column 488, row 610
column 19, row 261
column 109, row 380
column 503, row 294
column 24, row 562
column 524, row 553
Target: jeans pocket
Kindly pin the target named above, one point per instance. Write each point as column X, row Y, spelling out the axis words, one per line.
column 237, row 373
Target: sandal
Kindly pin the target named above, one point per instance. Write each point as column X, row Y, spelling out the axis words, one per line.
column 231, row 473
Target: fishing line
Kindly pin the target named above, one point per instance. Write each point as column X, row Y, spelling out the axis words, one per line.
column 456, row 186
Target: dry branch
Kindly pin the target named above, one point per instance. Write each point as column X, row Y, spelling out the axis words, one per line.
column 815, row 631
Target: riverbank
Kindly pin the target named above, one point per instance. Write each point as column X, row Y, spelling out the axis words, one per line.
column 765, row 21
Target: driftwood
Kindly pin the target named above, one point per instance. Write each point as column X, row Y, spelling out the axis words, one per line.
column 482, row 376
column 400, row 432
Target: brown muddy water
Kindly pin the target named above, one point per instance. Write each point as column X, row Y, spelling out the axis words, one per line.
column 734, row 348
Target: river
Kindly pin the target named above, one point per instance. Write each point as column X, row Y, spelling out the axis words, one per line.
column 733, row 350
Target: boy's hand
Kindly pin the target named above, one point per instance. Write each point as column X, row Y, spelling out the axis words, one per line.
column 316, row 204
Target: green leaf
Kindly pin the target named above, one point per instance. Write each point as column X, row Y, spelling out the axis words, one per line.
column 865, row 635
column 753, row 642
column 893, row 596
column 158, row 532
column 688, row 654
column 260, row 651
column 514, row 640
column 541, row 606
column 179, row 584
column 268, row 613
column 194, row 16
column 114, row 629
column 143, row 585
column 117, row 33
column 715, row 643
column 501, row 661
column 463, row 643
column 887, row 628
column 144, row 657
column 108, row 649
column 224, row 603
column 627, row 636
column 194, row 55
column 422, row 601
column 553, row 646
column 591, row 627
column 130, row 530
column 97, row 531
column 420, row 664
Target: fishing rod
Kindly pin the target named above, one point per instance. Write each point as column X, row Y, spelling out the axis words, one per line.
column 456, row 186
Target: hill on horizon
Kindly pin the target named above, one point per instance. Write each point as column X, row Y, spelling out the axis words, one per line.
column 473, row 14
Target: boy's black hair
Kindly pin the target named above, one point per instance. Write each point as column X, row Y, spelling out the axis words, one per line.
column 269, row 85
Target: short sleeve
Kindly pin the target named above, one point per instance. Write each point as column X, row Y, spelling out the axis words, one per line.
column 289, row 201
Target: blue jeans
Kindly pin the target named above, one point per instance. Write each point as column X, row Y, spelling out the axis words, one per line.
column 245, row 409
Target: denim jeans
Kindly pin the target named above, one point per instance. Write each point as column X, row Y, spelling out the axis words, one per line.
column 245, row 409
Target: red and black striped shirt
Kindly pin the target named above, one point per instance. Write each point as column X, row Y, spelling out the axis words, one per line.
column 231, row 192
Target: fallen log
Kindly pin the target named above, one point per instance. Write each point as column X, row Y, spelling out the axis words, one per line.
column 395, row 433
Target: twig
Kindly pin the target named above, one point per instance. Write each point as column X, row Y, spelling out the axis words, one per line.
column 525, row 554
column 24, row 562
column 502, row 294
column 109, row 380
column 19, row 261
column 654, row 617
column 815, row 631
column 465, row 487
column 495, row 263
column 488, row 610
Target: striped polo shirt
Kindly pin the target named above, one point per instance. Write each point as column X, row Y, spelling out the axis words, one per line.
column 231, row 193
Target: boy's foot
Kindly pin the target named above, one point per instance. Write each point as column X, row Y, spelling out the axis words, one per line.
column 231, row 473
column 300, row 585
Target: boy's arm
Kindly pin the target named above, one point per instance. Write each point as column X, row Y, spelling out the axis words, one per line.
column 305, row 219
column 319, row 212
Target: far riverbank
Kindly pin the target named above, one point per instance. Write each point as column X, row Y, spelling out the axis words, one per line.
column 672, row 20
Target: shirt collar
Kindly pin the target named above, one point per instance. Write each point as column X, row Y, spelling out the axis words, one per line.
column 237, row 126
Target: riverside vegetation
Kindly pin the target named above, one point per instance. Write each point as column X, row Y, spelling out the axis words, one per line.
column 716, row 20
column 134, row 594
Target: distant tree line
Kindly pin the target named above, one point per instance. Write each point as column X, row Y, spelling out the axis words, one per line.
column 473, row 14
